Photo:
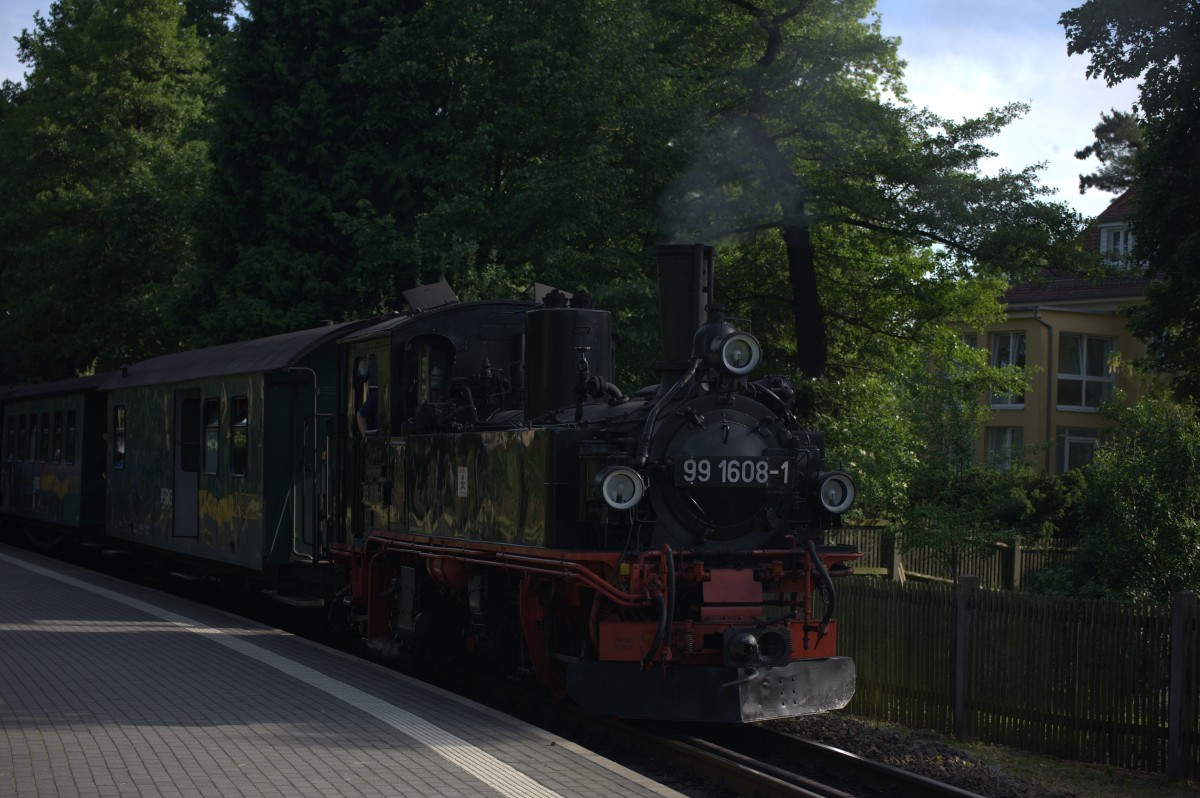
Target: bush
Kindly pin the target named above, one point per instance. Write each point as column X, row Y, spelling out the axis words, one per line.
column 1139, row 516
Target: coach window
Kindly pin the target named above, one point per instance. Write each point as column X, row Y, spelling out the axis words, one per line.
column 118, row 437
column 10, row 440
column 212, row 435
column 44, row 451
column 58, row 437
column 239, row 435
column 69, row 451
column 22, row 438
column 32, row 452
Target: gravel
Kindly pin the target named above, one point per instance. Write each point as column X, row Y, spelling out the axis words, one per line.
column 917, row 752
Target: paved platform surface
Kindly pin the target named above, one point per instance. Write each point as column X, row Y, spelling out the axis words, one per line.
column 111, row 689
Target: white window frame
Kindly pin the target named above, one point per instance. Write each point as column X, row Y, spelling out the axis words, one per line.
column 1068, row 436
column 1107, row 381
column 1007, row 401
column 1116, row 240
column 1005, row 446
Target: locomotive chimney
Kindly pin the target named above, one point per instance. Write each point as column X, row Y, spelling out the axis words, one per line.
column 685, row 288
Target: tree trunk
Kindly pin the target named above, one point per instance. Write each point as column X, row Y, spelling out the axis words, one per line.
column 812, row 347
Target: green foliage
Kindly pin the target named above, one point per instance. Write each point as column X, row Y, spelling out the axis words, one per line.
column 1168, row 241
column 1119, row 138
column 1153, row 42
column 910, row 443
column 794, row 148
column 1156, row 43
column 1140, row 511
column 367, row 148
column 105, row 161
column 900, row 433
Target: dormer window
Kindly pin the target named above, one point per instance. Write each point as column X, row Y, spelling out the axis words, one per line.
column 1116, row 240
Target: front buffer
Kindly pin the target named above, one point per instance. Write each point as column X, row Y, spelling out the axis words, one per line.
column 718, row 693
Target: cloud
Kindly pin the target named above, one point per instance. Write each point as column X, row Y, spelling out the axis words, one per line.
column 964, row 58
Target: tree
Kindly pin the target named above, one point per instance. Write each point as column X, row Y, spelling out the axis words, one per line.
column 1140, row 512
column 1157, row 42
column 368, row 147
column 1119, row 138
column 794, row 142
column 104, row 160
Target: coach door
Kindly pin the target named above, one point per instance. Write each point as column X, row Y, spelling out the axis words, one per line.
column 187, row 464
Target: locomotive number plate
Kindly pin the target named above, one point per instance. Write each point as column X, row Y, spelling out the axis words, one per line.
column 737, row 472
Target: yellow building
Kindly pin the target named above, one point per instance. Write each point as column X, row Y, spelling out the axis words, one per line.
column 1067, row 333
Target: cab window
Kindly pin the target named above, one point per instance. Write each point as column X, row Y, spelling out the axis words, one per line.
column 427, row 365
column 366, row 395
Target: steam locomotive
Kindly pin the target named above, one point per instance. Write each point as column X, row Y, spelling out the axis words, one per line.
column 466, row 479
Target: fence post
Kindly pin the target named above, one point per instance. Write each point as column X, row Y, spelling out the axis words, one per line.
column 1013, row 564
column 964, row 590
column 1183, row 610
column 889, row 556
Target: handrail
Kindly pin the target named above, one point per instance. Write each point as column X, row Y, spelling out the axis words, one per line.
column 546, row 566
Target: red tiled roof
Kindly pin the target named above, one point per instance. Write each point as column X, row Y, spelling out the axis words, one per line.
column 1072, row 289
column 1118, row 210
column 1058, row 285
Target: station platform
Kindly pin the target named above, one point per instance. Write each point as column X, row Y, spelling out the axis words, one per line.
column 112, row 689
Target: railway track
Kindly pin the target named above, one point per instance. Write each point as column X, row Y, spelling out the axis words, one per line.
column 842, row 773
column 748, row 760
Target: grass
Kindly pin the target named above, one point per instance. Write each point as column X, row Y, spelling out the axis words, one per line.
column 1080, row 778
column 1085, row 780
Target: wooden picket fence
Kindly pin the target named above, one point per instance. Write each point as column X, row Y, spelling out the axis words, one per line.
column 1000, row 565
column 1093, row 681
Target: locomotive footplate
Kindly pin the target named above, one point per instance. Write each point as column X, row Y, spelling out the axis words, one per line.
column 714, row 693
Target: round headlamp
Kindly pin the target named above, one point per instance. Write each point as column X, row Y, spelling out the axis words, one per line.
column 620, row 487
column 740, row 353
column 836, row 492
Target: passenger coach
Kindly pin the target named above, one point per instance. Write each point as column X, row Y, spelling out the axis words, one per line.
column 221, row 454
column 51, row 477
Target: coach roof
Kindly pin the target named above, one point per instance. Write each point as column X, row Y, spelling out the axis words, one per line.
column 56, row 388
column 272, row 353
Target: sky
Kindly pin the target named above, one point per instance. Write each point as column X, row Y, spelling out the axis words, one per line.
column 964, row 57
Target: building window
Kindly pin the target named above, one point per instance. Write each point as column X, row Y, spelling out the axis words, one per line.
column 212, row 435
column 118, row 454
column 1008, row 349
column 1076, row 447
column 69, row 450
column 239, row 435
column 1005, row 446
column 1084, row 379
column 1116, row 240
